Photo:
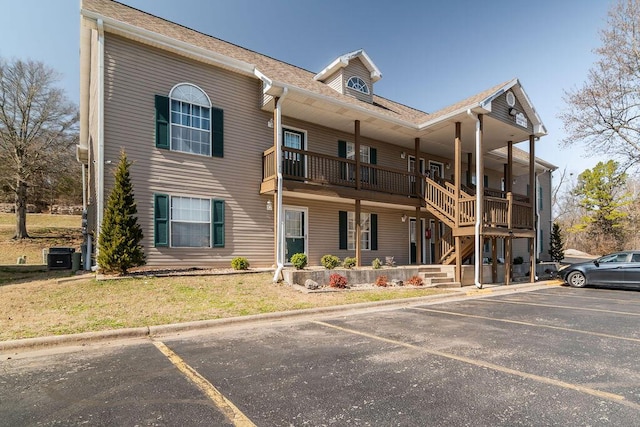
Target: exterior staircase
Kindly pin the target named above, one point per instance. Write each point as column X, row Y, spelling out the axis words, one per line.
column 438, row 276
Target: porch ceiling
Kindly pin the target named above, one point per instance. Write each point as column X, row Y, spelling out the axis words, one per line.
column 436, row 137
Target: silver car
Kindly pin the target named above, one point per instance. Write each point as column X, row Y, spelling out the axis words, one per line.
column 620, row 269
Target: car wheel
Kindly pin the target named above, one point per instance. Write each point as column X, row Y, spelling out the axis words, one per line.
column 576, row 279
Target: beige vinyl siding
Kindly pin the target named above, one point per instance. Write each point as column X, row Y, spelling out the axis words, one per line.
column 324, row 140
column 500, row 111
column 324, row 238
column 357, row 68
column 336, row 81
column 134, row 74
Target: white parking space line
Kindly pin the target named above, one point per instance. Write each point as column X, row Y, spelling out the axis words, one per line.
column 576, row 387
column 568, row 307
column 599, row 298
column 518, row 322
column 233, row 414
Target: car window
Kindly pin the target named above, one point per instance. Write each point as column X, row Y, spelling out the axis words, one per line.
column 635, row 258
column 614, row 258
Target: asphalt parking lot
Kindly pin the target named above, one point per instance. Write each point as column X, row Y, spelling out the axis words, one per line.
column 546, row 356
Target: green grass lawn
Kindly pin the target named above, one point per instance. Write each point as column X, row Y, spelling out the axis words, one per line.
column 45, row 231
column 38, row 305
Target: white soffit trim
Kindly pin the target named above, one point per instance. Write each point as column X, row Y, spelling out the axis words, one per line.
column 153, row 38
column 330, row 100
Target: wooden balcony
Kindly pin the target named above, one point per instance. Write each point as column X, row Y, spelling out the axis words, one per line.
column 311, row 172
column 314, row 172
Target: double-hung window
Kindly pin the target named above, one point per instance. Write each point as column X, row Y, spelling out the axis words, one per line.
column 190, row 222
column 365, row 231
column 365, row 158
column 190, row 120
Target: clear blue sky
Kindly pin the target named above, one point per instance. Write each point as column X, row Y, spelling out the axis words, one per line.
column 431, row 53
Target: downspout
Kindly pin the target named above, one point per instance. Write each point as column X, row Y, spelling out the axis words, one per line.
column 479, row 201
column 100, row 160
column 279, row 215
column 538, row 247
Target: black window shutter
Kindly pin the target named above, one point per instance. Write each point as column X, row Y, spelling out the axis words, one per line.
column 161, row 220
column 162, row 122
column 217, row 223
column 342, row 221
column 374, row 232
column 373, row 159
column 217, row 137
column 342, row 149
column 342, row 153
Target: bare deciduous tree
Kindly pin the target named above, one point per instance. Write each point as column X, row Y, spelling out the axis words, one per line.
column 37, row 128
column 605, row 112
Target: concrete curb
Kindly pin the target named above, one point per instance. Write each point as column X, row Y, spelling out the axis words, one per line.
column 159, row 330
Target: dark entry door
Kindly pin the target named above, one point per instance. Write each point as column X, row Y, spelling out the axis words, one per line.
column 293, row 164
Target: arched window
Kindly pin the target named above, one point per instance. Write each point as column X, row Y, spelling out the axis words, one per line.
column 190, row 119
column 358, row 84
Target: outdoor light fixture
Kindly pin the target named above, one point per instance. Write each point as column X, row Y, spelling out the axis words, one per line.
column 270, row 123
column 269, row 205
column 513, row 112
column 404, row 217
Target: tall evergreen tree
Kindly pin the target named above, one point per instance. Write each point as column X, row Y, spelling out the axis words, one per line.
column 120, row 236
column 555, row 245
column 602, row 195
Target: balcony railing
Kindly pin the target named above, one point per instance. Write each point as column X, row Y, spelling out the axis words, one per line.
column 307, row 166
column 500, row 209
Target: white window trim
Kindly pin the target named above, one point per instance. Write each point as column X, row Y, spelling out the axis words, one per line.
column 210, row 107
column 360, row 81
column 351, row 243
column 191, row 196
column 353, row 150
column 306, row 227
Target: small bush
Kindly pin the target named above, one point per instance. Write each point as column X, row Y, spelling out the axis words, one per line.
column 415, row 281
column 376, row 263
column 389, row 261
column 349, row 262
column 382, row 281
column 330, row 261
column 518, row 260
column 240, row 263
column 299, row 261
column 337, row 281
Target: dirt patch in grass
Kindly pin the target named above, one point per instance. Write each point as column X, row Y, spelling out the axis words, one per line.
column 40, row 305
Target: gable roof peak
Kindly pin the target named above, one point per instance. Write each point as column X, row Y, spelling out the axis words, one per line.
column 343, row 60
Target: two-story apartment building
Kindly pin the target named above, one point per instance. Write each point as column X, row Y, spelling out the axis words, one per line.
column 239, row 154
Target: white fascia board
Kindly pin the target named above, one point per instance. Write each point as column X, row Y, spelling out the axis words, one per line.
column 265, row 80
column 373, row 69
column 343, row 61
column 338, row 63
column 158, row 39
column 478, row 109
column 538, row 127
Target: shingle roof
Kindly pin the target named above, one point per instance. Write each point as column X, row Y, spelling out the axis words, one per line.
column 274, row 69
